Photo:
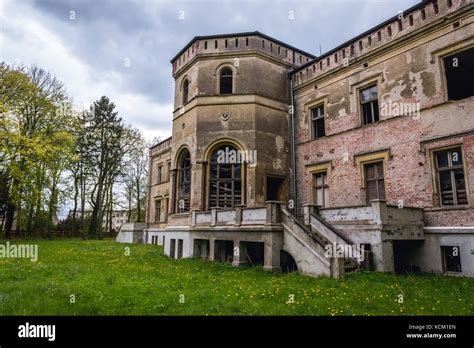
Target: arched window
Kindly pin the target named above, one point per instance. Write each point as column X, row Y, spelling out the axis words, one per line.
column 185, row 91
column 183, row 182
column 225, row 180
column 226, row 81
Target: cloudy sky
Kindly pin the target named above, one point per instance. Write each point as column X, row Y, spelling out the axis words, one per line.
column 122, row 48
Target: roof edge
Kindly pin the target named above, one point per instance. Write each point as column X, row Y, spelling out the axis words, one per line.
column 248, row 33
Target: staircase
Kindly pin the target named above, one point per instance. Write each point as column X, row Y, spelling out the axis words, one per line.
column 308, row 244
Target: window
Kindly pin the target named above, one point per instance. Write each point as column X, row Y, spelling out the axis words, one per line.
column 157, row 210
column 180, row 249
column 317, row 121
column 159, row 174
column 185, row 91
column 374, row 181
column 451, row 258
column 369, row 105
column 225, row 178
column 168, row 170
column 226, row 81
column 459, row 69
column 320, row 189
column 450, row 176
column 183, row 182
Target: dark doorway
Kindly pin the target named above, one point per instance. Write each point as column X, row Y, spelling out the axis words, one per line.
column 404, row 252
column 254, row 252
column 275, row 189
column 287, row 262
column 180, row 248
column 201, row 248
column 224, row 250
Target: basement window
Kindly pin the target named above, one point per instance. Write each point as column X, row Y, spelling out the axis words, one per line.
column 317, row 120
column 459, row 69
column 451, row 258
column 450, row 176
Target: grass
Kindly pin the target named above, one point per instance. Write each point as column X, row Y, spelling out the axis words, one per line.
column 105, row 281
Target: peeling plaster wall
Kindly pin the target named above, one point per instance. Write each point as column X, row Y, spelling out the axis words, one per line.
column 410, row 72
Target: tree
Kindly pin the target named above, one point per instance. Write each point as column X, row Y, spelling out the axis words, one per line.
column 107, row 142
column 33, row 136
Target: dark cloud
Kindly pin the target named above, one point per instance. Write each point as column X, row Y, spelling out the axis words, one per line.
column 149, row 32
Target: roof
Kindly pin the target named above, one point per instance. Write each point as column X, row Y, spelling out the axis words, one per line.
column 360, row 36
column 161, row 142
column 249, row 33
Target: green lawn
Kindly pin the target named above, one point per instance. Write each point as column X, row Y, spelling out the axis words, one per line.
column 107, row 282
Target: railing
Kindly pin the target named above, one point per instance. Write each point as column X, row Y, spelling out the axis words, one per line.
column 239, row 216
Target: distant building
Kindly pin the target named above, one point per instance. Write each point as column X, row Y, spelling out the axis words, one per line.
column 119, row 217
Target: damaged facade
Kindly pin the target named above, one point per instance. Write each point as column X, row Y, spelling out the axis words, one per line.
column 370, row 144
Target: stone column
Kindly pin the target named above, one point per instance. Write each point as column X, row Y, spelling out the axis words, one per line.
column 273, row 244
column 211, row 249
column 240, row 254
column 172, row 192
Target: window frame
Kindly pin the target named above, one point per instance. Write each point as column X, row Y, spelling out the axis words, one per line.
column 442, row 57
column 451, row 169
column 185, row 90
column 444, row 249
column 317, row 118
column 158, row 208
column 376, row 179
column 370, row 101
column 159, row 173
column 324, row 187
column 219, row 180
column 232, row 82
column 180, row 184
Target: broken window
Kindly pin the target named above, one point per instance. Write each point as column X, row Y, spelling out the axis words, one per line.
column 459, row 69
column 374, row 181
column 451, row 258
column 317, row 119
column 225, row 177
column 184, row 181
column 369, row 104
column 321, row 189
column 451, row 179
column 185, row 91
column 226, row 81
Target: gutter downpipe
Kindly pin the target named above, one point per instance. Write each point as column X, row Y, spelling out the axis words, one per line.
column 293, row 143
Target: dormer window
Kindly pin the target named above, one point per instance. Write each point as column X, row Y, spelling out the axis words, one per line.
column 185, row 91
column 225, row 86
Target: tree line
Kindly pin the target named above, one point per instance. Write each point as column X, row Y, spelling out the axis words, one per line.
column 52, row 155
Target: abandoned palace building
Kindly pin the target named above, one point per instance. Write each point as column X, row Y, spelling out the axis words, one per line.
column 291, row 161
